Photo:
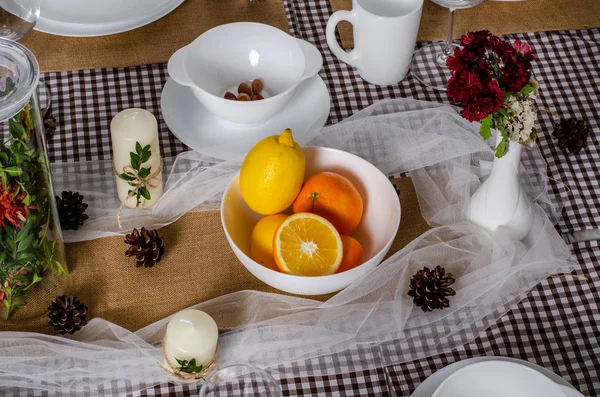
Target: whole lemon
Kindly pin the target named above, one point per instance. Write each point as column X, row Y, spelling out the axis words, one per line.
column 261, row 241
column 272, row 174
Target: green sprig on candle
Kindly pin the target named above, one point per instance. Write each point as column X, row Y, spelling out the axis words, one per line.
column 136, row 174
column 189, row 367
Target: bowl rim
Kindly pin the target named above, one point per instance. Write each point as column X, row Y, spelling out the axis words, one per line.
column 264, row 26
column 387, row 244
column 461, row 371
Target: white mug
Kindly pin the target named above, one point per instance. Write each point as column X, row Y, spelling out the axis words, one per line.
column 385, row 34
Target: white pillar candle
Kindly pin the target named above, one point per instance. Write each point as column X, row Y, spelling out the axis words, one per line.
column 191, row 334
column 127, row 128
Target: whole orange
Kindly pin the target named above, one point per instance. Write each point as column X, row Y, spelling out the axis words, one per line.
column 352, row 254
column 333, row 197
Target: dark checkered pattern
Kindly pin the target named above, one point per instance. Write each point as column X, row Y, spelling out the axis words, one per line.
column 556, row 325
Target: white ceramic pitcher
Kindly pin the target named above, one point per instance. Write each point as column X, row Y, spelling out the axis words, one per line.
column 385, row 34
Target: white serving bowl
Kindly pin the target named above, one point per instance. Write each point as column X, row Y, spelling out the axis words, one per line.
column 498, row 379
column 223, row 57
column 376, row 232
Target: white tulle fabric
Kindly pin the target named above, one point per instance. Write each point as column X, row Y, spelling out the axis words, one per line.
column 445, row 158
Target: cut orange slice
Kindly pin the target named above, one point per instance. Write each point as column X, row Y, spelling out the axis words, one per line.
column 307, row 245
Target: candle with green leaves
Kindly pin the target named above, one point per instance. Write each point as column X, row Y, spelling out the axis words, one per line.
column 136, row 158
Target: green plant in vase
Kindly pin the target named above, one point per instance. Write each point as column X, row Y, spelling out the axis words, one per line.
column 27, row 247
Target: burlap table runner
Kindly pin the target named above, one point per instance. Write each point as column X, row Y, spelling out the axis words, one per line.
column 496, row 16
column 151, row 43
column 198, row 265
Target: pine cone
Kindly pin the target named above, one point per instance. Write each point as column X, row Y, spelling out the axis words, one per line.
column 67, row 314
column 147, row 247
column 71, row 210
column 571, row 134
column 429, row 288
column 49, row 123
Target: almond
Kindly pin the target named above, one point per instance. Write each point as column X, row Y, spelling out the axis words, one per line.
column 245, row 88
column 231, row 96
column 257, row 86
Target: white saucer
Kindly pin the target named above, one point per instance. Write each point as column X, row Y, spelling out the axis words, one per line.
column 100, row 17
column 189, row 121
column 428, row 387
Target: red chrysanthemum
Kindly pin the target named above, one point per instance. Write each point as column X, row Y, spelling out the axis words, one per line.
column 465, row 60
column 487, row 102
column 503, row 49
column 475, row 40
column 523, row 51
column 515, row 74
column 12, row 208
column 483, row 69
column 464, row 86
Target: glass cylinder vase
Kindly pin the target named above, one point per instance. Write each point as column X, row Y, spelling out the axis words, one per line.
column 32, row 260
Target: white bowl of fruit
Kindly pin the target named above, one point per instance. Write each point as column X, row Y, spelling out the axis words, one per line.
column 309, row 221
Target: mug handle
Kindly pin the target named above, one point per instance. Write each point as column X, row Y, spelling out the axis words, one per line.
column 351, row 58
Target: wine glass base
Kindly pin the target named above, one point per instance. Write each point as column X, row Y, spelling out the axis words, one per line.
column 428, row 66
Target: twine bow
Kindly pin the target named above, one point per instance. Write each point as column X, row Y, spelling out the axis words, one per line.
column 151, row 181
column 174, row 369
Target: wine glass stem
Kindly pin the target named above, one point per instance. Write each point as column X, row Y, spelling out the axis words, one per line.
column 448, row 47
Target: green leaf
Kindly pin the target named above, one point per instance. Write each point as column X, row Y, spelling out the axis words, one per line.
column 127, row 177
column 144, row 172
column 16, row 129
column 135, row 161
column 25, row 257
column 4, row 157
column 502, row 147
column 13, row 171
column 189, row 367
column 146, row 148
column 527, row 89
column 138, row 148
column 144, row 192
column 60, row 268
column 486, row 128
column 145, row 157
column 4, row 178
column 26, row 243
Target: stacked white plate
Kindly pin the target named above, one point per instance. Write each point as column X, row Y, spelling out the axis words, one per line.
column 85, row 18
column 495, row 377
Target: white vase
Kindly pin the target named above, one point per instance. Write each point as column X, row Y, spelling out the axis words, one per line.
column 501, row 202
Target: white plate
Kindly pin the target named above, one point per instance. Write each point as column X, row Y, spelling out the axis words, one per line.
column 86, row 18
column 199, row 129
column 429, row 385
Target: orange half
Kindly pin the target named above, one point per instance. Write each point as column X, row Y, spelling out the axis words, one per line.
column 307, row 245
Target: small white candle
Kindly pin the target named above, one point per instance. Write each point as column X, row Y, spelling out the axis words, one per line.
column 191, row 334
column 127, row 128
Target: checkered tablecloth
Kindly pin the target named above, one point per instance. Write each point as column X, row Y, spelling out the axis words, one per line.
column 556, row 325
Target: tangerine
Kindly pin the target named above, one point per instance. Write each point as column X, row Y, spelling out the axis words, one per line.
column 333, row 197
column 352, row 254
